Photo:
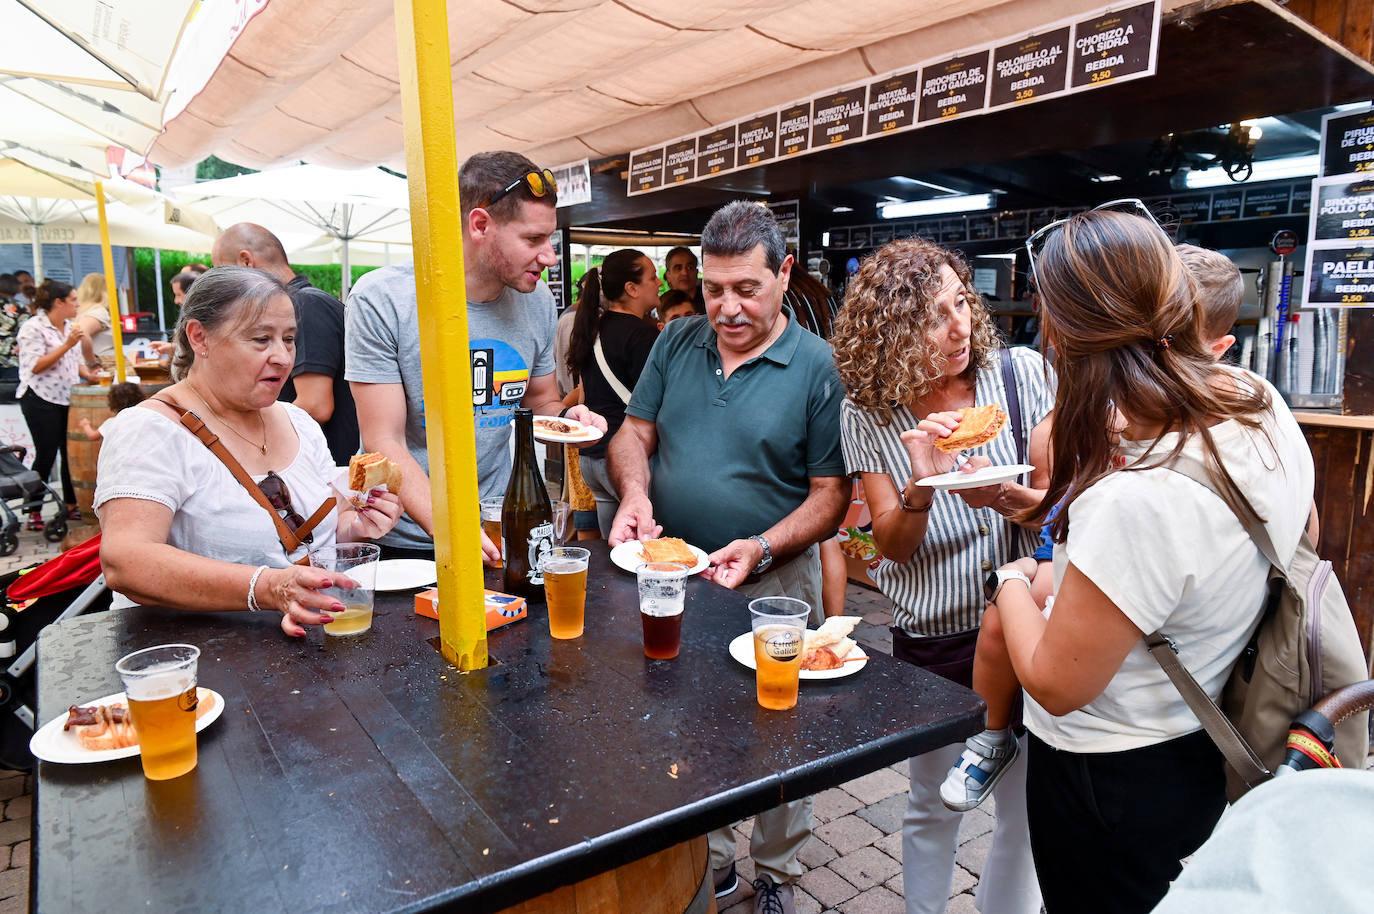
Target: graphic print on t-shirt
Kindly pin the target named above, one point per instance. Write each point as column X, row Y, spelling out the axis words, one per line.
column 499, row 379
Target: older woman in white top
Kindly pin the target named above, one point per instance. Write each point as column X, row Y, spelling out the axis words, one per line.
column 1122, row 782
column 180, row 530
column 49, row 365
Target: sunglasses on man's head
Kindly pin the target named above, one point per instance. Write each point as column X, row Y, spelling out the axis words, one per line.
column 279, row 497
column 1129, row 205
column 537, row 183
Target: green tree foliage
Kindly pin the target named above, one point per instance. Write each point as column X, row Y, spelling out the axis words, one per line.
column 212, row 168
column 323, row 276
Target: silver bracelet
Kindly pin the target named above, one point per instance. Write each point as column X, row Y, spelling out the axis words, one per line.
column 252, row 585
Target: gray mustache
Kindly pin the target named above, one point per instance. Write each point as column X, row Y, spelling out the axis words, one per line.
column 739, row 320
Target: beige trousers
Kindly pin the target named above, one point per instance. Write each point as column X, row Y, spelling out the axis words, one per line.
column 780, row 832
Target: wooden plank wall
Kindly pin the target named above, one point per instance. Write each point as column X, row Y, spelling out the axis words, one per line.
column 1345, row 488
column 1351, row 22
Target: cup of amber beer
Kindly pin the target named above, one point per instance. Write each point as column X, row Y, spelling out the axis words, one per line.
column 779, row 632
column 160, row 685
column 662, row 590
column 356, row 564
column 565, row 589
column 491, row 523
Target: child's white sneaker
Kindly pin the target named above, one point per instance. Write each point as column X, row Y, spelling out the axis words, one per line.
column 986, row 757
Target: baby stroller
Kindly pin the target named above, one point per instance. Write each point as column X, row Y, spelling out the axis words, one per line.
column 35, row 597
column 19, row 482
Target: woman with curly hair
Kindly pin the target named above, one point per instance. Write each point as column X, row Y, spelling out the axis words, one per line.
column 914, row 344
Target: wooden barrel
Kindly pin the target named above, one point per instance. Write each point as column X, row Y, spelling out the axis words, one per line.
column 89, row 401
column 673, row 881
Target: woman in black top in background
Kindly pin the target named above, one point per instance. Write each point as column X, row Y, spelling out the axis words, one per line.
column 615, row 298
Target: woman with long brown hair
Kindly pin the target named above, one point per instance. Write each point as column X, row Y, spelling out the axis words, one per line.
column 913, row 344
column 610, row 344
column 1122, row 782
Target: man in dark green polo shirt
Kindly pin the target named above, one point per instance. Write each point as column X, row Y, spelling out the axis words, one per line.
column 732, row 442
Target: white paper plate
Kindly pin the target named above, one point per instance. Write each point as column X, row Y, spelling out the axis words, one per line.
column 987, row 476
column 742, row 649
column 582, row 434
column 53, row 744
column 406, row 574
column 629, row 556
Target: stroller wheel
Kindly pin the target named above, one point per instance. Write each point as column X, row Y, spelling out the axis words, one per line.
column 55, row 529
column 9, row 542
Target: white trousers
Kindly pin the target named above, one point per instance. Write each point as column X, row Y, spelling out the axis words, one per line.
column 930, row 833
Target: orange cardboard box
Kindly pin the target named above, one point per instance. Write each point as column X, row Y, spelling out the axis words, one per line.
column 502, row 608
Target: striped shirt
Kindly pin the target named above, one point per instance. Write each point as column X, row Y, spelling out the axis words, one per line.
column 939, row 591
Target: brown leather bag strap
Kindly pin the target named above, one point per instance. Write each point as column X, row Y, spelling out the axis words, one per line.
column 196, row 426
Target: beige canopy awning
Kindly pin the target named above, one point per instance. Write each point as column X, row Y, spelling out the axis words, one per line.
column 559, row 80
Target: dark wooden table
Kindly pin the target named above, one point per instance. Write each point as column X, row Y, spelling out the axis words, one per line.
column 367, row 774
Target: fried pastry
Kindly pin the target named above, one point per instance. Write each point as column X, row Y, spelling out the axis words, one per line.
column 978, row 426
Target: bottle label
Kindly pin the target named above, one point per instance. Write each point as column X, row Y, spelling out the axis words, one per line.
column 540, row 545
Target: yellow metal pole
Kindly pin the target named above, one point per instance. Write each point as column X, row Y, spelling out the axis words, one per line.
column 111, row 291
column 437, row 229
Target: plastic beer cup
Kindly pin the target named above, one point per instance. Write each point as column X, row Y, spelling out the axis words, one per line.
column 662, row 590
column 491, row 523
column 358, row 562
column 779, row 633
column 565, row 589
column 160, row 686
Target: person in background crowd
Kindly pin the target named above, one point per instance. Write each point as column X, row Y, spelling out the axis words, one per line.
column 26, row 292
column 317, row 383
column 93, row 314
column 672, row 305
column 194, row 266
column 48, row 367
column 680, row 273
column 181, row 285
column 1220, row 292
column 731, row 442
column 508, row 217
column 607, row 354
column 1122, row 783
column 121, row 397
column 12, row 314
column 180, row 530
column 913, row 344
column 575, row 490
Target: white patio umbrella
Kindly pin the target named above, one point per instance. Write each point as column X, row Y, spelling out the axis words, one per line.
column 301, row 202
column 57, row 221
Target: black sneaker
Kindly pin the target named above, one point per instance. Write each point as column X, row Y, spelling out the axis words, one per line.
column 726, row 880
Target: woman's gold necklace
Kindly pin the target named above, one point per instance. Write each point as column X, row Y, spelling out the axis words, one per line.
column 262, row 447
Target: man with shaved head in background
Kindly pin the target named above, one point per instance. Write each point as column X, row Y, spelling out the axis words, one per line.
column 317, row 382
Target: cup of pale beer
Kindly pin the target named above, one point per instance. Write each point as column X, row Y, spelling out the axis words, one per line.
column 357, row 562
column 779, row 633
column 565, row 589
column 160, row 685
column 491, row 524
column 662, row 591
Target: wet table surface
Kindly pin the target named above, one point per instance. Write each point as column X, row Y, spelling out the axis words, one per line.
column 366, row 773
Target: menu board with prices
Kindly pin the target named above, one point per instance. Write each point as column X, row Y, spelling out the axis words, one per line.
column 1348, row 143
column 882, row 234
column 758, row 139
column 1192, row 208
column 554, row 274
column 716, row 152
column 892, row 103
column 1226, row 205
column 1113, row 45
column 860, row 237
column 794, row 129
column 954, row 87
column 1030, row 69
column 953, row 230
column 839, row 238
column 646, row 170
column 1062, row 57
column 1340, row 276
column 1262, row 203
column 1013, row 225
column 838, row 117
column 982, row 228
column 680, row 162
column 1345, row 208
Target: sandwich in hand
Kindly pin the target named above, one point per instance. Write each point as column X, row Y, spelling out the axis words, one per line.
column 827, row 647
column 977, row 426
column 369, row 471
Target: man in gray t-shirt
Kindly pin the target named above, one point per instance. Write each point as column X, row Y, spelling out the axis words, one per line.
column 508, row 216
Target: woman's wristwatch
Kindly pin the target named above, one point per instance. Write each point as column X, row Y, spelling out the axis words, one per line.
column 992, row 586
column 908, row 506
